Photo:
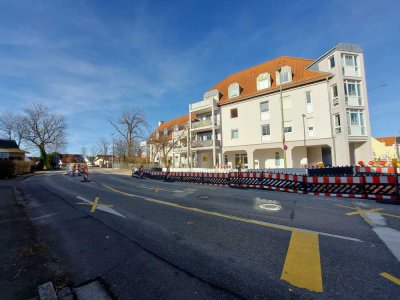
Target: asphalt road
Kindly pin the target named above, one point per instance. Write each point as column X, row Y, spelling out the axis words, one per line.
column 153, row 239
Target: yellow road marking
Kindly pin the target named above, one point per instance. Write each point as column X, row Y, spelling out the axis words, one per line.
column 91, row 204
column 302, row 264
column 363, row 211
column 96, row 201
column 391, row 278
column 380, row 213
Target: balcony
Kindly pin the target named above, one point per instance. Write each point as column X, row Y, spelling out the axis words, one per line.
column 355, row 130
column 351, row 71
column 203, row 124
column 354, row 101
column 179, row 134
column 205, row 144
column 202, row 106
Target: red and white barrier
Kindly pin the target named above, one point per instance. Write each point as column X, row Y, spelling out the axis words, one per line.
column 336, row 179
column 387, row 170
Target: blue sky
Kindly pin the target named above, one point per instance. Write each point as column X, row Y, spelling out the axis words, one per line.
column 90, row 60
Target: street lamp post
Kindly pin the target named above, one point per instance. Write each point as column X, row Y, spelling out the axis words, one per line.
column 112, row 157
column 282, row 120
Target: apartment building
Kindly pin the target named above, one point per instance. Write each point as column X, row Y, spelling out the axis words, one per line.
column 286, row 112
column 169, row 142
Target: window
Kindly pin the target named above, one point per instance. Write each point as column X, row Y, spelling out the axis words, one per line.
column 263, row 81
column 309, row 106
column 204, row 136
column 350, row 60
column 334, row 95
column 265, row 132
column 286, row 102
column 355, row 119
column 284, row 75
column 176, row 128
column 234, row 113
column 352, row 91
column 350, row 65
column 158, row 135
column 233, row 90
column 331, row 62
column 166, row 131
column 226, row 160
column 337, row 126
column 264, row 110
column 287, row 126
column 234, row 134
column 277, row 159
column 310, row 127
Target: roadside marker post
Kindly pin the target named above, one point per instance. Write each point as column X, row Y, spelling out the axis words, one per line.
column 85, row 175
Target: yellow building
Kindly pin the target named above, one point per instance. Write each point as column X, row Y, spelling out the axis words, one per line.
column 385, row 148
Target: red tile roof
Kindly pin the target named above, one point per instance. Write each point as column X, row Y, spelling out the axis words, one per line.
column 171, row 123
column 247, row 79
column 389, row 140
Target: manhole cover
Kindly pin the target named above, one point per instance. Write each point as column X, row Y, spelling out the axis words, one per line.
column 271, row 206
column 203, row 197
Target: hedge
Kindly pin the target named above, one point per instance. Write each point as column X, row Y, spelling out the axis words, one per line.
column 10, row 168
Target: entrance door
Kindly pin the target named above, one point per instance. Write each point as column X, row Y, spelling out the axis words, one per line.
column 327, row 157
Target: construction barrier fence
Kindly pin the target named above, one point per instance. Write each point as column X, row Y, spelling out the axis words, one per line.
column 373, row 186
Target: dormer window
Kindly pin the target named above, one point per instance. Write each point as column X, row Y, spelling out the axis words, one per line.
column 263, row 81
column 284, row 75
column 234, row 90
column 176, row 128
column 158, row 135
column 166, row 131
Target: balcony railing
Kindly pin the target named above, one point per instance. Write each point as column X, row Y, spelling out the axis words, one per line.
column 203, row 123
column 355, row 130
column 201, row 104
column 354, row 101
column 207, row 143
column 351, row 71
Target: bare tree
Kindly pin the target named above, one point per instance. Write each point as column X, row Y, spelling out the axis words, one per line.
column 103, row 146
column 162, row 143
column 120, row 149
column 132, row 126
column 44, row 130
column 11, row 125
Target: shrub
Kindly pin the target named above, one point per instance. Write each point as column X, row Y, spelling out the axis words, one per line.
column 7, row 168
column 22, row 167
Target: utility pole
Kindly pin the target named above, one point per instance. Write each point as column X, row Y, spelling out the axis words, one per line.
column 284, row 147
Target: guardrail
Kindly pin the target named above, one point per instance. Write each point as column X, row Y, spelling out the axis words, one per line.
column 379, row 187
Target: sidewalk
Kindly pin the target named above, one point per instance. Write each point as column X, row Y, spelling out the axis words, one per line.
column 24, row 262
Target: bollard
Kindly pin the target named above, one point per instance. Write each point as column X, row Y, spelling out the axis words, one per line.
column 86, row 175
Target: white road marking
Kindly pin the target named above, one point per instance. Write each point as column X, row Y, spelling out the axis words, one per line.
column 390, row 236
column 102, row 207
column 160, row 189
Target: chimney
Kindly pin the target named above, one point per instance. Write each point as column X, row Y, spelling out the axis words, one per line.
column 159, row 123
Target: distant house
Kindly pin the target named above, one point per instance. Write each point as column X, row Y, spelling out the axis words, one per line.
column 70, row 158
column 9, row 150
column 386, row 148
column 104, row 161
